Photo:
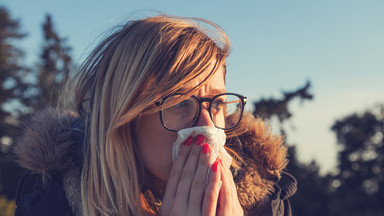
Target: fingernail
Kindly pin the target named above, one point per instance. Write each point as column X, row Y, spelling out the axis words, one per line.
column 188, row 141
column 214, row 166
column 199, row 139
column 205, row 148
column 221, row 162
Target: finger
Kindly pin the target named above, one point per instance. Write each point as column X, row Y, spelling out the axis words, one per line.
column 176, row 170
column 223, row 155
column 227, row 172
column 228, row 198
column 200, row 179
column 188, row 172
column 225, row 191
column 212, row 191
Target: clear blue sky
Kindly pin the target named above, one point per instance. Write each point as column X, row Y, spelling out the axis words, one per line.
column 276, row 45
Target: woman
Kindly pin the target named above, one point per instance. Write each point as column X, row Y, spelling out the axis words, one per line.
column 108, row 151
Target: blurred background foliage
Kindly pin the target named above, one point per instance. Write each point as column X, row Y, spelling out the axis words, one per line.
column 355, row 187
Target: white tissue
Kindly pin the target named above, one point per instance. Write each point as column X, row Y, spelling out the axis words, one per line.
column 213, row 136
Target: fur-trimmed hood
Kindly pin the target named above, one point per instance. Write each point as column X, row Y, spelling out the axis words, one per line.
column 52, row 143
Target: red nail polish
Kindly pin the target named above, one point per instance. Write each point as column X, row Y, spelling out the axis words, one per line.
column 214, row 166
column 221, row 162
column 199, row 139
column 205, row 148
column 188, row 141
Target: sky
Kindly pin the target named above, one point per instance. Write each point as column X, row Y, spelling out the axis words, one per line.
column 276, row 45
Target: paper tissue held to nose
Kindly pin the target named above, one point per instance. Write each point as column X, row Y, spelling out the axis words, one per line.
column 214, row 137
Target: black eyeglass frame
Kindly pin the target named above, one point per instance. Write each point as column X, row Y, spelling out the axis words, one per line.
column 201, row 101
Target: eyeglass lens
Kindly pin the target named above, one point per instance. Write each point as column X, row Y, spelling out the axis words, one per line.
column 225, row 112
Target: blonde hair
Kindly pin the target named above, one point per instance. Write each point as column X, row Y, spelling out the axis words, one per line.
column 129, row 71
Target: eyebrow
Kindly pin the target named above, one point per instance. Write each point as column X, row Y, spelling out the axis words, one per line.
column 217, row 91
column 211, row 92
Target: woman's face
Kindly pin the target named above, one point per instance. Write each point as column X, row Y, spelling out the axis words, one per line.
column 155, row 142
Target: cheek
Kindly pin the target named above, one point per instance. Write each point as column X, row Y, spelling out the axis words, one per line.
column 155, row 146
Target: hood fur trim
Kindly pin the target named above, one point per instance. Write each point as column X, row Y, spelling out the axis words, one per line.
column 263, row 157
column 48, row 145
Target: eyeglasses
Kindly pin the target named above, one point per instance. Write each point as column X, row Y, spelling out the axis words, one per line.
column 225, row 111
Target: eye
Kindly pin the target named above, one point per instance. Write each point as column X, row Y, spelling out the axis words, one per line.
column 217, row 105
column 183, row 106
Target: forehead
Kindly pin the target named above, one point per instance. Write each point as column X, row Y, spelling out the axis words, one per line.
column 215, row 84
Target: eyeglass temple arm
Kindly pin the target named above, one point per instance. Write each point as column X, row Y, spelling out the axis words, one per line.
column 235, row 101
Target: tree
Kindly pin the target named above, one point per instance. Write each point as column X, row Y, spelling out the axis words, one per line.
column 12, row 87
column 313, row 189
column 360, row 181
column 267, row 108
column 314, row 192
column 357, row 189
column 54, row 67
column 11, row 72
column 39, row 89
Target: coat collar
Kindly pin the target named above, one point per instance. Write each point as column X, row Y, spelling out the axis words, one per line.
column 53, row 142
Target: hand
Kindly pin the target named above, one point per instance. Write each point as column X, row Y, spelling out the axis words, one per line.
column 186, row 192
column 228, row 201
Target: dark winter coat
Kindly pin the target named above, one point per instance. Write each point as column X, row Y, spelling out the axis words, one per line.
column 51, row 148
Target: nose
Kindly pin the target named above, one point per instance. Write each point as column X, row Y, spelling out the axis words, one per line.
column 204, row 118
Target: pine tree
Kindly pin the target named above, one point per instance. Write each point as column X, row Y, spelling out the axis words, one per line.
column 11, row 73
column 54, row 66
column 12, row 88
column 22, row 90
